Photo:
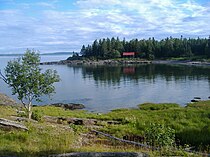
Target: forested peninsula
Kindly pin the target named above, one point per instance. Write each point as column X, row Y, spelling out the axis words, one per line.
column 150, row 49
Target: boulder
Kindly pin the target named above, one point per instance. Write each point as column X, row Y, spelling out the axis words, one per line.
column 9, row 125
column 194, row 100
column 70, row 106
column 81, row 121
column 75, row 121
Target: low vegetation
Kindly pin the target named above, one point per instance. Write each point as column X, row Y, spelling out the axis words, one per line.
column 169, row 128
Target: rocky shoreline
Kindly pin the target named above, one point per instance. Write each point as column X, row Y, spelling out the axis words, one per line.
column 97, row 62
column 185, row 62
column 123, row 62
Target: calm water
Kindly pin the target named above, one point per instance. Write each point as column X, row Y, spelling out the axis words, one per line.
column 103, row 88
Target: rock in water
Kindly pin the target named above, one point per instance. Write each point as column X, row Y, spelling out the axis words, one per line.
column 194, row 100
column 9, row 125
column 70, row 106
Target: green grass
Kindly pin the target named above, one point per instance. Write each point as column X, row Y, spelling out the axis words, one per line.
column 191, row 124
column 41, row 139
column 6, row 111
column 162, row 106
column 58, row 111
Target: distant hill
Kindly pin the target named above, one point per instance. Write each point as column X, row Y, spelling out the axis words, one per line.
column 58, row 53
column 53, row 53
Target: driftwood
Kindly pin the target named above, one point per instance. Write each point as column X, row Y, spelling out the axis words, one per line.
column 125, row 141
column 8, row 125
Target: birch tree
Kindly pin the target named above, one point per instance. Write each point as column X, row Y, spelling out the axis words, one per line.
column 27, row 81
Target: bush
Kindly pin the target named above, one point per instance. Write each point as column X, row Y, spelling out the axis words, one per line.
column 159, row 135
column 37, row 115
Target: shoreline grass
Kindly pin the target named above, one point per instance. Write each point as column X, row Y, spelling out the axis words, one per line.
column 191, row 125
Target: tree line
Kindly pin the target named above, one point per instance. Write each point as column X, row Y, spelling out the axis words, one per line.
column 148, row 49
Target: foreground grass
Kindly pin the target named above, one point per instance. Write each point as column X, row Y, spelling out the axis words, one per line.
column 191, row 123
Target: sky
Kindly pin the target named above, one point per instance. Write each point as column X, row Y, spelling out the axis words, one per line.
column 65, row 25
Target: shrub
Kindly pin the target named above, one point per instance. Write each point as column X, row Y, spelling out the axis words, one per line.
column 159, row 135
column 37, row 115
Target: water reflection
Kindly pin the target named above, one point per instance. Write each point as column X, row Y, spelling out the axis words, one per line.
column 114, row 75
column 102, row 88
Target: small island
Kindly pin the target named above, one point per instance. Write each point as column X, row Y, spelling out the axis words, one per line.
column 166, row 51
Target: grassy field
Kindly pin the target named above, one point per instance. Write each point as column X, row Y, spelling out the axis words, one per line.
column 191, row 125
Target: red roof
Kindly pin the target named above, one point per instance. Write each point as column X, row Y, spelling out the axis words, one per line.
column 128, row 53
column 129, row 70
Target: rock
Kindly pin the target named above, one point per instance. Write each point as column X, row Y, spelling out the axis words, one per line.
column 135, row 138
column 9, row 125
column 5, row 100
column 81, row 121
column 102, row 154
column 194, row 100
column 197, row 98
column 70, row 106
column 50, row 119
column 22, row 119
column 78, row 121
column 75, row 121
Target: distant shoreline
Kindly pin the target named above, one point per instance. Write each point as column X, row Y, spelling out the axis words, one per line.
column 41, row 54
column 97, row 62
column 124, row 62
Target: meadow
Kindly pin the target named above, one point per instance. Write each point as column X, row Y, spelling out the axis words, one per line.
column 175, row 128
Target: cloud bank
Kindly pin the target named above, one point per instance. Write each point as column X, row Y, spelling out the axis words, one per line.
column 52, row 26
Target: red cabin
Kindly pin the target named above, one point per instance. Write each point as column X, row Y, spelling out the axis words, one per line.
column 128, row 54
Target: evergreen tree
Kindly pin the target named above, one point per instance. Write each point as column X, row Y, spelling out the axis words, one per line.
column 150, row 48
column 207, row 48
column 104, row 50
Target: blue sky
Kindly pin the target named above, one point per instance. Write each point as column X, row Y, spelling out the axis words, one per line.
column 65, row 25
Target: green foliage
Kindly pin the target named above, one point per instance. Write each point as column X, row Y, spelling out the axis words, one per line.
column 37, row 115
column 201, row 104
column 22, row 114
column 114, row 54
column 162, row 106
column 159, row 135
column 25, row 78
column 78, row 128
column 150, row 48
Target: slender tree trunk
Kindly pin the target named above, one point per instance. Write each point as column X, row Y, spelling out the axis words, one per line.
column 29, row 110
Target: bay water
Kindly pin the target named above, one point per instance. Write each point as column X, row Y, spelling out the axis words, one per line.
column 104, row 88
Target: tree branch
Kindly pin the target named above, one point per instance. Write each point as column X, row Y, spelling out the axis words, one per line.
column 3, row 77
